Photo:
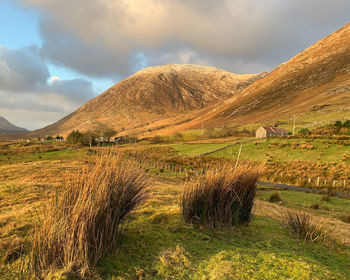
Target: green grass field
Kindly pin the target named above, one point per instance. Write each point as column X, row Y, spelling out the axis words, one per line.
column 156, row 243
column 285, row 150
column 264, row 250
column 197, row 149
column 335, row 208
column 276, row 150
column 29, row 157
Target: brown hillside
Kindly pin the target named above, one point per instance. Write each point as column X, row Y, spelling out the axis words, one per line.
column 151, row 95
column 317, row 78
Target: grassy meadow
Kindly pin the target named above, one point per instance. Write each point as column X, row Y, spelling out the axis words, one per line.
column 155, row 242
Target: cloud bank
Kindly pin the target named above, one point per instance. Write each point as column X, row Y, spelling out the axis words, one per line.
column 112, row 38
column 28, row 97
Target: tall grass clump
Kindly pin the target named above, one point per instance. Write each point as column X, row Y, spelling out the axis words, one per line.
column 302, row 224
column 84, row 223
column 221, row 197
column 275, row 197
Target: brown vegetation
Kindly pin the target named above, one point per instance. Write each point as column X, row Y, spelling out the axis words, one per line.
column 84, row 223
column 302, row 224
column 221, row 197
column 275, row 197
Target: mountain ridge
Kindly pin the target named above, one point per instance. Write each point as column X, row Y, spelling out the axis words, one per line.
column 8, row 127
column 154, row 94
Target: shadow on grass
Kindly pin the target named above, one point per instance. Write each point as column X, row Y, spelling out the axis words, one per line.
column 264, row 248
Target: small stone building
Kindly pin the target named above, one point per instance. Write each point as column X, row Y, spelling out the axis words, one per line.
column 270, row 131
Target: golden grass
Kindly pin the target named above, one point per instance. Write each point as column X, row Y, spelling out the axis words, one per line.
column 305, row 227
column 221, row 197
column 83, row 224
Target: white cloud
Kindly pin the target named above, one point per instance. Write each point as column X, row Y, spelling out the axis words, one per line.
column 26, row 91
column 111, row 39
column 102, row 38
column 53, row 79
column 22, row 69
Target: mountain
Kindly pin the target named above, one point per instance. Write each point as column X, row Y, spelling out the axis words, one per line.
column 7, row 127
column 171, row 98
column 316, row 80
column 152, row 95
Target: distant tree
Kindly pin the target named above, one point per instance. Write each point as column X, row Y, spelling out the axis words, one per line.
column 48, row 138
column 338, row 124
column 346, row 124
column 304, row 131
column 89, row 138
column 105, row 134
column 108, row 133
column 75, row 137
column 59, row 138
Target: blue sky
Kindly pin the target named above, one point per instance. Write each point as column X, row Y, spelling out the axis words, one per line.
column 19, row 28
column 55, row 55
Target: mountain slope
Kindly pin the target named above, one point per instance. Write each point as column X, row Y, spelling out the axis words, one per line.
column 7, row 127
column 317, row 78
column 151, row 95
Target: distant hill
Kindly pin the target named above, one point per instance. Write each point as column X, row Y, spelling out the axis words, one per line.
column 317, row 79
column 152, row 95
column 7, row 127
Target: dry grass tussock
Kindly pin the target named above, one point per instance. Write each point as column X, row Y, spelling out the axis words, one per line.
column 84, row 223
column 305, row 227
column 275, row 197
column 222, row 197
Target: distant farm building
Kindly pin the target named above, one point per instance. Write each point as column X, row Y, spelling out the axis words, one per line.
column 270, row 131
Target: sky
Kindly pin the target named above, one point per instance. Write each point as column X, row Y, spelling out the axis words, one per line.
column 57, row 54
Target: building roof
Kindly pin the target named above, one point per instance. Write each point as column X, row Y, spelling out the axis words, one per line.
column 273, row 129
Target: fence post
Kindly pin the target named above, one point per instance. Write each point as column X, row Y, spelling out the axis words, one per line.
column 239, row 154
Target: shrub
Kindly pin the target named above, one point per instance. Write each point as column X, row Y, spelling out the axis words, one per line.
column 178, row 136
column 346, row 124
column 315, row 206
column 221, row 197
column 275, row 197
column 89, row 138
column 302, row 224
column 84, row 223
column 304, row 131
column 156, row 140
column 346, row 219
